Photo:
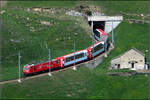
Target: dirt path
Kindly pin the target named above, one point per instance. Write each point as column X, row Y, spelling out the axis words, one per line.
column 87, row 63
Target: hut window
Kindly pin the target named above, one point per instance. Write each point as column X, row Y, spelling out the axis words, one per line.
column 141, row 60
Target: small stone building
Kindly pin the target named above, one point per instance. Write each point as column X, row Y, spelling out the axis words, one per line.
column 132, row 59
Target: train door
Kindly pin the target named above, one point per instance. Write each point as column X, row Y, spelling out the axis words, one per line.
column 32, row 69
column 62, row 63
column 56, row 63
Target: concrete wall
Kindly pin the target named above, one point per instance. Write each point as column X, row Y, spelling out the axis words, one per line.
column 108, row 21
column 109, row 25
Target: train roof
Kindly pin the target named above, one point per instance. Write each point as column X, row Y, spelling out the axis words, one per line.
column 41, row 62
column 73, row 53
column 101, row 31
column 96, row 44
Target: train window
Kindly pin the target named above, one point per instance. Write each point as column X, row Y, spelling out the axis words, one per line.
column 97, row 33
column 68, row 59
column 79, row 56
column 56, row 62
column 98, row 47
column 26, row 68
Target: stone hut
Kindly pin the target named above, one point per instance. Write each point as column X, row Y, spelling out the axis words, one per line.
column 132, row 59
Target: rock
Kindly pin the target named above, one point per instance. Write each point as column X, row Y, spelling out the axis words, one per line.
column 69, row 95
column 130, row 22
column 57, row 39
column 74, row 13
column 32, row 30
column 141, row 15
column 45, row 22
column 96, row 14
column 37, row 9
column 69, row 38
column 31, row 27
column 27, row 18
column 3, row 11
column 146, row 50
column 27, row 25
column 17, row 41
column 75, row 33
column 28, row 9
column 11, row 40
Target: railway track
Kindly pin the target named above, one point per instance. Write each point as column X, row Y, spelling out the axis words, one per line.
column 43, row 74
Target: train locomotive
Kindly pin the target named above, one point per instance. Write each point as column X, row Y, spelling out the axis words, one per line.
column 73, row 58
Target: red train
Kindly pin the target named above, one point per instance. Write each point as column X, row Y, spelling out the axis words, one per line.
column 69, row 59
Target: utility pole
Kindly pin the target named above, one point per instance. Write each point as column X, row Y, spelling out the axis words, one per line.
column 49, row 54
column 113, row 34
column 105, row 46
column 19, row 80
column 74, row 67
column 92, row 41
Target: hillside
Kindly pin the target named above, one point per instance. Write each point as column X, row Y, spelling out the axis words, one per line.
column 22, row 30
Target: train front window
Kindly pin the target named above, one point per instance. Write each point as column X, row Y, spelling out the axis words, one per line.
column 97, row 33
column 56, row 61
column 26, row 68
column 98, row 47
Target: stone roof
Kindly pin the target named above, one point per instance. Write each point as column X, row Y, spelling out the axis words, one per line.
column 128, row 51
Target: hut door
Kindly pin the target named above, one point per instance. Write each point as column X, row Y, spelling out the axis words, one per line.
column 132, row 65
column 118, row 66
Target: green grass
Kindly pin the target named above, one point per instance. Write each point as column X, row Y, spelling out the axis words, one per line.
column 83, row 83
column 115, row 7
column 65, row 4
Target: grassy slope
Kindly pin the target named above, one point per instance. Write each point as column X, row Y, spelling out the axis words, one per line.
column 59, row 37
column 88, row 83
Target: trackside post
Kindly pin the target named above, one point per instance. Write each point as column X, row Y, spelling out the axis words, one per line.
column 112, row 34
column 49, row 54
column 92, row 42
column 19, row 80
column 74, row 67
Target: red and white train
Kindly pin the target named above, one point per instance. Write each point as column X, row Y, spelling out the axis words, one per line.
column 69, row 59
